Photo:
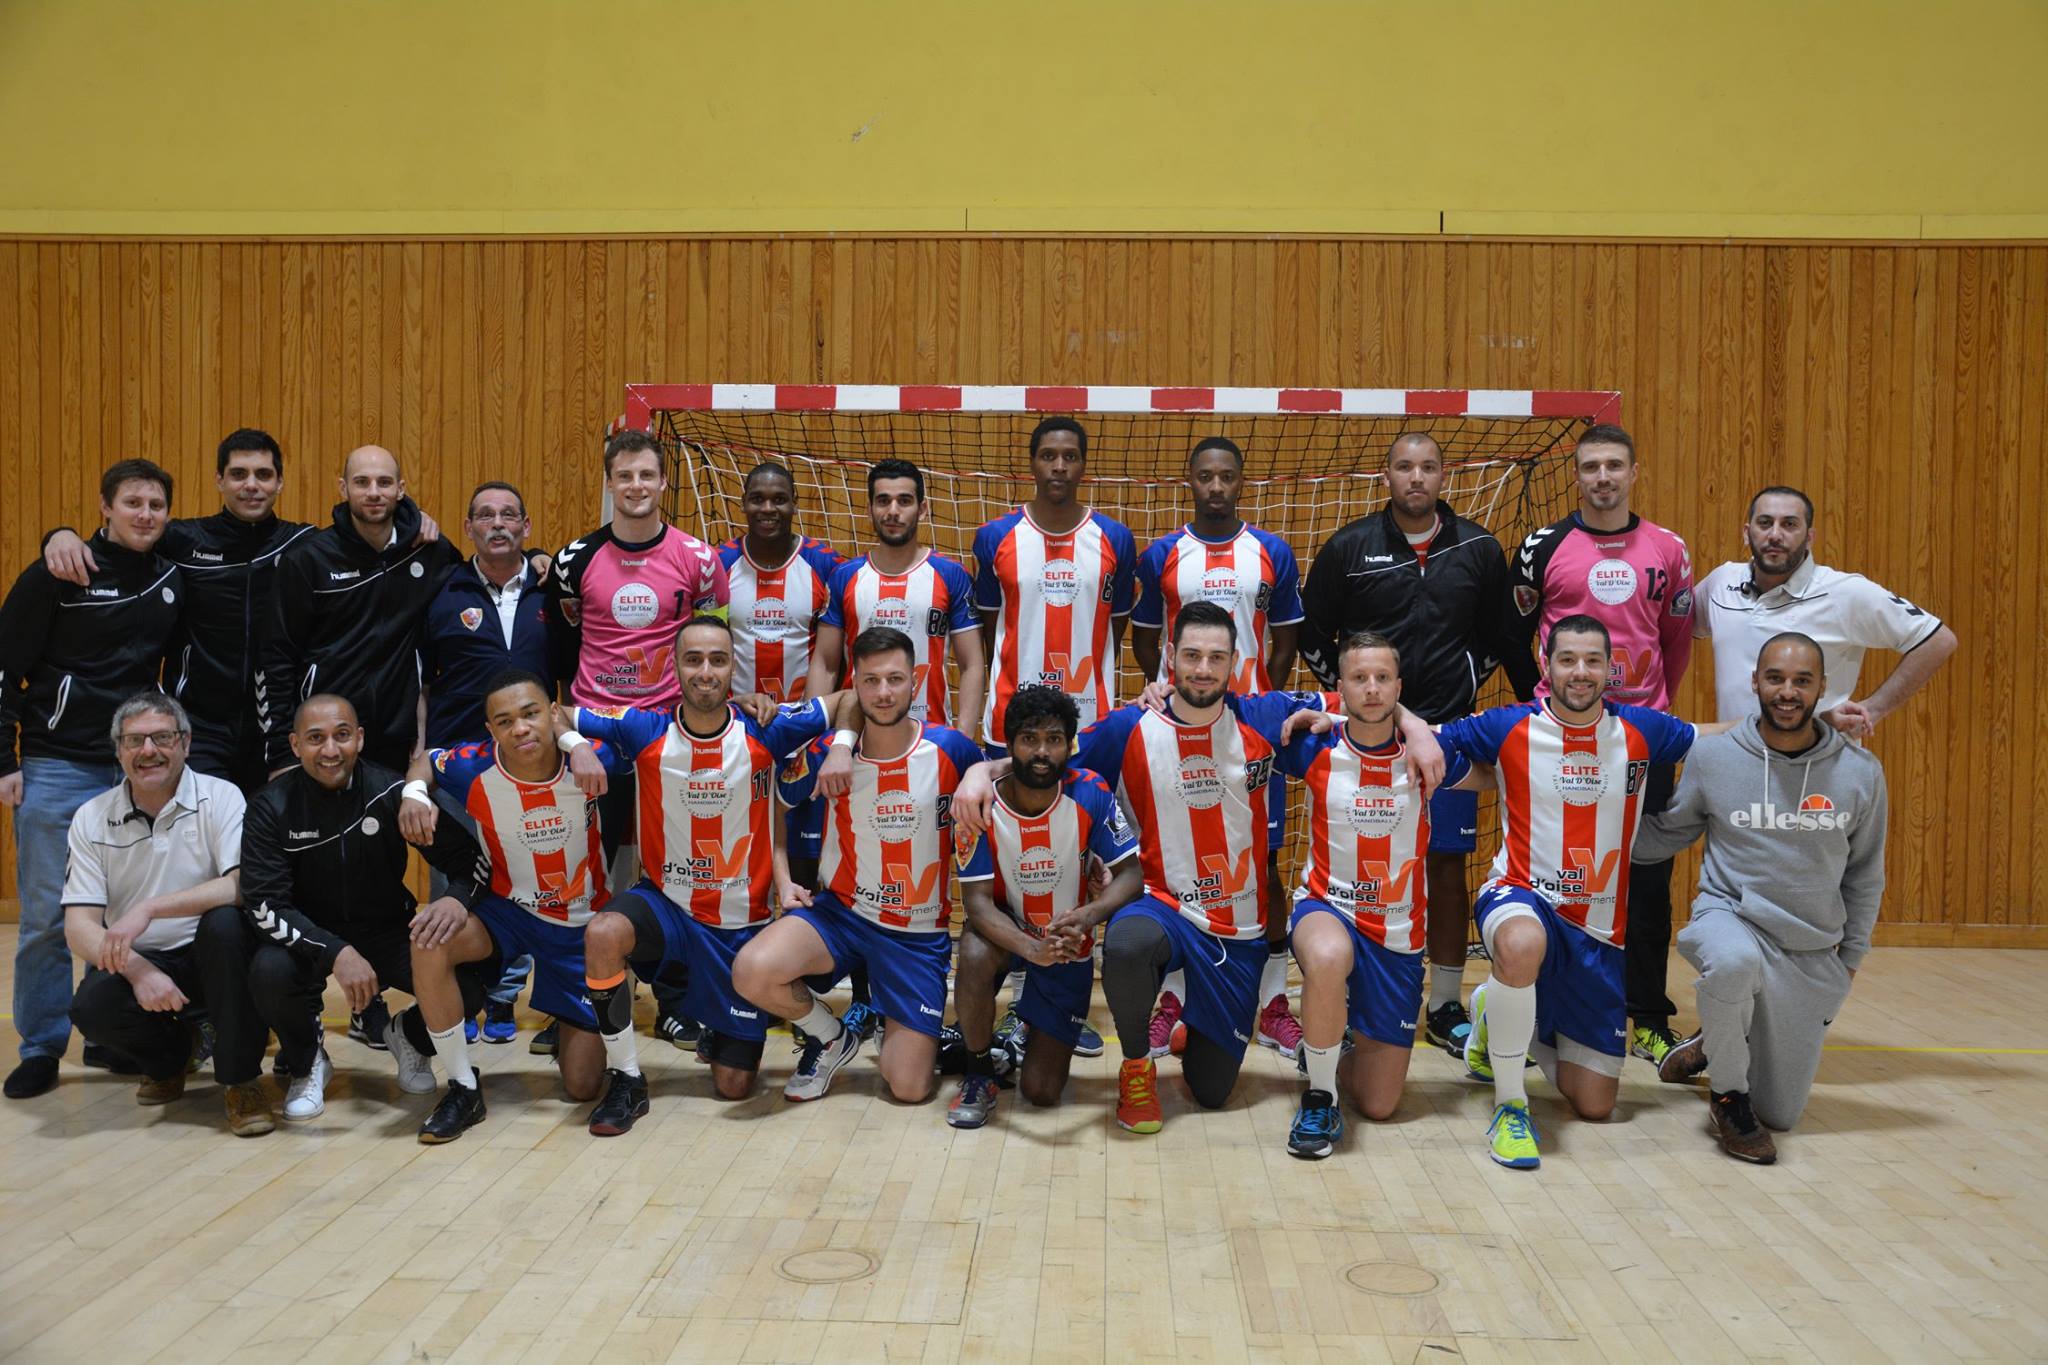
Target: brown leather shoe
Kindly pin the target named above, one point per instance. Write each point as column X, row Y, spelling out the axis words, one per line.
column 1683, row 1062
column 153, row 1091
column 1734, row 1125
column 249, row 1110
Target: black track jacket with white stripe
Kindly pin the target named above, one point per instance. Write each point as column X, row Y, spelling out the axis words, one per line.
column 69, row 656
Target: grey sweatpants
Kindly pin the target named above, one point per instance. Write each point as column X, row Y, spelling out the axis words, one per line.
column 1764, row 1011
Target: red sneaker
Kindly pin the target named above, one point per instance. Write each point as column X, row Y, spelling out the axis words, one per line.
column 1161, row 1038
column 1137, row 1096
column 1278, row 1029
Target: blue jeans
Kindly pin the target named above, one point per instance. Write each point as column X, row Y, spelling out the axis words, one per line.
column 516, row 969
column 52, row 790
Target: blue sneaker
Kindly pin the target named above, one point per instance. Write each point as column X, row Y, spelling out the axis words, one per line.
column 1511, row 1137
column 1089, row 1044
column 500, row 1024
column 469, row 1030
column 1317, row 1127
column 862, row 1019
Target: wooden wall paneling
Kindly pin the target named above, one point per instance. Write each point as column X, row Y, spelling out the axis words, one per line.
column 1902, row 385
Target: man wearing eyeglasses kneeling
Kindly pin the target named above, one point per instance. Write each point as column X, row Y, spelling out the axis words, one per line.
column 150, row 906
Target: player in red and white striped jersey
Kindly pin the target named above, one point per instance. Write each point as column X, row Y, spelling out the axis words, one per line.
column 882, row 897
column 1250, row 573
column 1025, row 886
column 1359, row 916
column 538, row 821
column 777, row 578
column 705, row 777
column 1573, row 773
column 900, row 584
column 1053, row 580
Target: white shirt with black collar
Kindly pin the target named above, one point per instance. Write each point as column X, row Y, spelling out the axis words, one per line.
column 1845, row 613
column 506, row 598
column 119, row 855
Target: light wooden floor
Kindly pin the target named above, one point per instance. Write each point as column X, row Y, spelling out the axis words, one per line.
column 1907, row 1219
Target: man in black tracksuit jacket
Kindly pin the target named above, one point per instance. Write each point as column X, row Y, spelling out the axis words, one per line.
column 69, row 656
column 228, row 561
column 323, row 875
column 1431, row 582
column 345, row 614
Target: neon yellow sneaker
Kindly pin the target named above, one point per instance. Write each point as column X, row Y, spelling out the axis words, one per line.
column 1512, row 1137
column 1478, row 1065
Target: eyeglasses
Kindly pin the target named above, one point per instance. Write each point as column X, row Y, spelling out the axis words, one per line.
column 162, row 739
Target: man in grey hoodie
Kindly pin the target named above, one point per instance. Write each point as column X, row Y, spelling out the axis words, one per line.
column 1794, row 817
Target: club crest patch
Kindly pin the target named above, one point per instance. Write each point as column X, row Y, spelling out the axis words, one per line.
column 472, row 617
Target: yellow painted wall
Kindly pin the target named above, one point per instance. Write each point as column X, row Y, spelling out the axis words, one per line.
column 1865, row 118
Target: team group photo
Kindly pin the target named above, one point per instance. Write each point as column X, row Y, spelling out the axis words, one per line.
column 661, row 781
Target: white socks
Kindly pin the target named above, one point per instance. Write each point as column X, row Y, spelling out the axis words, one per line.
column 621, row 1053
column 1273, row 979
column 1510, row 1024
column 452, row 1049
column 1322, row 1067
column 1444, row 985
column 821, row 1023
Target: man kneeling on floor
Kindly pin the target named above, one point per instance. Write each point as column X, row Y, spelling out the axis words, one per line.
column 149, row 904
column 1794, row 816
column 325, row 891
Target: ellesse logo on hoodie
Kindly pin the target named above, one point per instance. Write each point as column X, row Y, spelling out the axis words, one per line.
column 1814, row 813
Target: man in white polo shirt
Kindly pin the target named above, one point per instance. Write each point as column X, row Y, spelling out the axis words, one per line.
column 150, row 906
column 1783, row 588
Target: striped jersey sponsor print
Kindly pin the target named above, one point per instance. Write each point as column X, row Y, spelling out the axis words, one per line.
column 931, row 602
column 1252, row 575
column 888, row 841
column 706, row 802
column 1054, row 597
column 1036, row 861
column 546, row 852
column 1571, row 798
column 774, row 615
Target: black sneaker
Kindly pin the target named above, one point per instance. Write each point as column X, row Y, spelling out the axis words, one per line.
column 684, row 1033
column 462, row 1107
column 625, row 1099
column 1734, row 1125
column 543, row 1044
column 202, row 1050
column 1449, row 1026
column 34, row 1076
column 952, row 1052
column 1318, row 1127
column 368, row 1027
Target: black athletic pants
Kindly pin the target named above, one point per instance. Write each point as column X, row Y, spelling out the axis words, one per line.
column 212, row 971
column 1647, row 950
column 1135, row 951
column 287, row 992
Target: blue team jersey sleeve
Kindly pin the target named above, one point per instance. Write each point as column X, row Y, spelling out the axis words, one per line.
column 1670, row 738
column 1299, row 755
column 457, row 768
column 619, row 733
column 1285, row 607
column 988, row 589
column 823, row 559
column 1479, row 737
column 978, row 862
column 835, row 588
column 1151, row 609
column 1109, row 835
column 1100, row 747
column 793, row 725
column 960, row 612
column 964, row 752
column 1456, row 766
column 729, row 554
column 1122, row 583
column 799, row 783
column 1269, row 711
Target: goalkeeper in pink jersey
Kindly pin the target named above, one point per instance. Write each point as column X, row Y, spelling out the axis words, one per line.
column 1634, row 578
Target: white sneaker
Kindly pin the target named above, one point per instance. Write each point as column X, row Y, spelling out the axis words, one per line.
column 415, row 1073
column 307, row 1096
column 818, row 1063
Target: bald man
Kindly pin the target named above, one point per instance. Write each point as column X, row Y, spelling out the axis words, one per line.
column 346, row 613
column 1794, row 818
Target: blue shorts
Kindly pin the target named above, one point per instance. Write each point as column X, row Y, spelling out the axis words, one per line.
column 805, row 825
column 1385, row 989
column 1054, row 1000
column 1579, row 992
column 1453, row 821
column 1222, row 974
column 557, row 952
column 991, row 751
column 906, row 972
column 1276, row 811
column 704, row 953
